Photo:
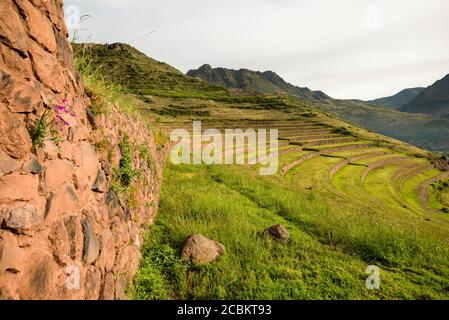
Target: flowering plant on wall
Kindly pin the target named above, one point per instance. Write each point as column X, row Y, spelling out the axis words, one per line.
column 56, row 117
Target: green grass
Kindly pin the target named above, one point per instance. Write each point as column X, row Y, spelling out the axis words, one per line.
column 125, row 172
column 103, row 92
column 410, row 186
column 337, row 227
column 325, row 258
column 143, row 76
column 439, row 196
column 378, row 186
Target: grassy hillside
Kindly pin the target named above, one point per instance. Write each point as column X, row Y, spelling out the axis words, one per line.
column 332, row 242
column 349, row 198
column 142, row 76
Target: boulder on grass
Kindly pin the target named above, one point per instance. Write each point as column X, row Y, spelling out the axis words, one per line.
column 201, row 250
column 277, row 232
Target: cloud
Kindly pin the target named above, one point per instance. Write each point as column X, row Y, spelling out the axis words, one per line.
column 348, row 48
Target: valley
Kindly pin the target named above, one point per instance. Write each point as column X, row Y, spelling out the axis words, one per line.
column 123, row 178
column 348, row 197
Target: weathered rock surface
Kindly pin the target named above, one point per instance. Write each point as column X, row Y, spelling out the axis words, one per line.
column 201, row 250
column 22, row 218
column 18, row 187
column 91, row 117
column 7, row 164
column 57, row 172
column 91, row 249
column 33, row 166
column 101, row 183
column 10, row 253
column 57, row 210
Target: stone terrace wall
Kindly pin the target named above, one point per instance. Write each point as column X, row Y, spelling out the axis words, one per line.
column 58, row 214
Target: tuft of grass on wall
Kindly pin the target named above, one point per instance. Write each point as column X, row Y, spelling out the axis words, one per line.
column 102, row 90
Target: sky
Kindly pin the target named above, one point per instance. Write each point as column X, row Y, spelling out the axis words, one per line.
column 362, row 49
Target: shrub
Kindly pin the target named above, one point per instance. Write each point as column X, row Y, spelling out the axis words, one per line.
column 125, row 173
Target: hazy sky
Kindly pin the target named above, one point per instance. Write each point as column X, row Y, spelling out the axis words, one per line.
column 347, row 48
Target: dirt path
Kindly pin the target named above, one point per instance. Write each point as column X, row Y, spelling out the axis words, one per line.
column 423, row 195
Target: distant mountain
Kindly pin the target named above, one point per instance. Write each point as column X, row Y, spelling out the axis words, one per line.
column 434, row 100
column 253, row 81
column 398, row 100
column 425, row 131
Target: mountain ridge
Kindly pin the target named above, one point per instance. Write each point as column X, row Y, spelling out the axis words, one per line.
column 423, row 130
column 434, row 100
column 399, row 99
column 267, row 82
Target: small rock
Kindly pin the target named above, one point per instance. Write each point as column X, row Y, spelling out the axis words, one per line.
column 93, row 283
column 33, row 166
column 65, row 150
column 107, row 256
column 10, row 254
column 24, row 241
column 277, row 232
column 108, row 288
column 101, row 183
column 91, row 117
column 106, row 168
column 15, row 138
column 24, row 98
column 57, row 172
column 71, row 134
column 201, row 250
column 75, row 236
column 120, row 233
column 22, row 218
column 60, row 243
column 82, row 133
column 120, row 286
column 17, row 187
column 89, row 164
column 64, row 200
column 113, row 204
column 91, row 245
column 43, row 277
column 47, row 150
column 7, row 164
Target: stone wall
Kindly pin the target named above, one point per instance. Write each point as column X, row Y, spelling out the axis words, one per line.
column 59, row 217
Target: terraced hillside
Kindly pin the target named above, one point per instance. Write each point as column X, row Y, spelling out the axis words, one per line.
column 348, row 197
column 333, row 160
